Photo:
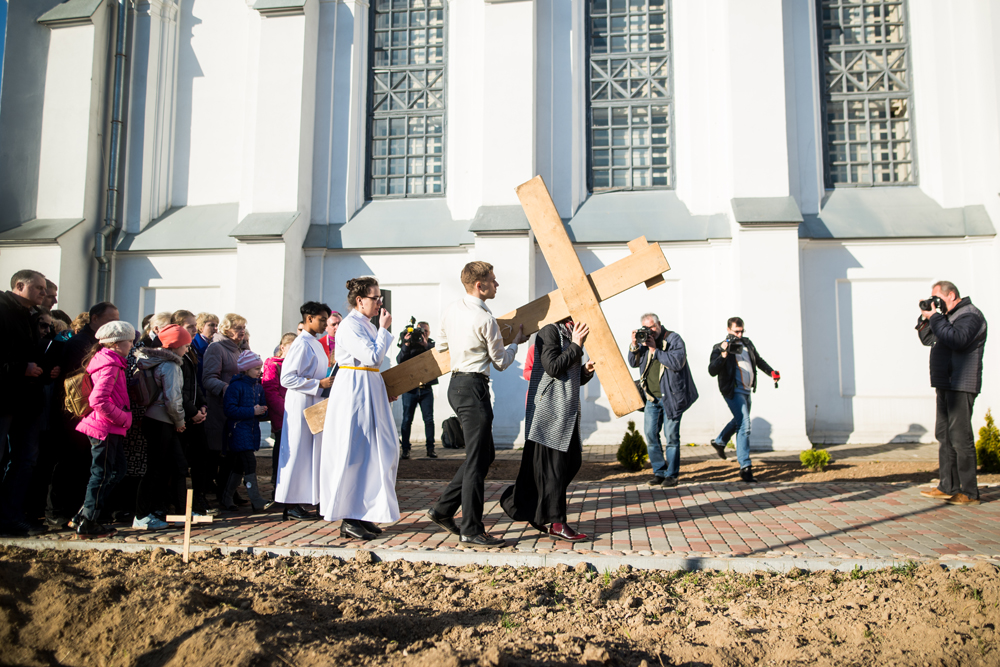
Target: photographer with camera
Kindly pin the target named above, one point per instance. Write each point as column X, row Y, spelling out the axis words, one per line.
column 734, row 361
column 955, row 330
column 415, row 340
column 666, row 384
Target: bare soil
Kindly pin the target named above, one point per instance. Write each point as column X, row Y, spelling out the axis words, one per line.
column 709, row 471
column 148, row 608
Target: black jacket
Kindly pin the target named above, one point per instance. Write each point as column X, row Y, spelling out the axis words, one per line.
column 957, row 341
column 725, row 368
column 77, row 349
column 18, row 346
column 409, row 351
column 677, row 389
column 191, row 389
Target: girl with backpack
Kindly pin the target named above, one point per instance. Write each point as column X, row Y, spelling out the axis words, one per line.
column 166, row 468
column 245, row 407
column 106, row 424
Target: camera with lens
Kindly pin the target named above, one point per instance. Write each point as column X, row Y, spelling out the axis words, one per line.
column 642, row 334
column 933, row 303
column 415, row 333
column 735, row 344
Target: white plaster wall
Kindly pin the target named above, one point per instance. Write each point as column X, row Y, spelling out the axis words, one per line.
column 866, row 371
column 169, row 281
column 211, row 101
column 44, row 258
column 464, row 151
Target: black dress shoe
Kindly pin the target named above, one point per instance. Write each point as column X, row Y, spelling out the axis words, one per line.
column 656, row 481
column 720, row 450
column 669, row 481
column 405, row 454
column 563, row 531
column 539, row 527
column 482, row 540
column 297, row 513
column 746, row 474
column 355, row 531
column 370, row 527
column 445, row 522
column 431, row 455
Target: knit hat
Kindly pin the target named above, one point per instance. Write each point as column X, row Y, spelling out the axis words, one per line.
column 173, row 336
column 115, row 332
column 248, row 360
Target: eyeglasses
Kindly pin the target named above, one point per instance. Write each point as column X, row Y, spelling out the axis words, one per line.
column 43, row 325
column 376, row 299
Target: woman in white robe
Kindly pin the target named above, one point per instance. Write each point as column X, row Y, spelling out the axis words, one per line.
column 304, row 375
column 360, row 447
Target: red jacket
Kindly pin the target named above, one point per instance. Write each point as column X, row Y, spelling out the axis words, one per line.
column 274, row 393
column 109, row 397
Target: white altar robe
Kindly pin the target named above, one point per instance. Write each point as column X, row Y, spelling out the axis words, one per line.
column 305, row 365
column 360, row 447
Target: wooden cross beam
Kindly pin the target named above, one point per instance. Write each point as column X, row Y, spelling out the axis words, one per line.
column 646, row 265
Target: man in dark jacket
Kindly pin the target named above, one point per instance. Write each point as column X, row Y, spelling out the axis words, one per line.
column 80, row 345
column 669, row 390
column 20, row 418
column 413, row 344
column 955, row 330
column 734, row 361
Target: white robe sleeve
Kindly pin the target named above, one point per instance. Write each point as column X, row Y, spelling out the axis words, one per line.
column 358, row 345
column 298, row 360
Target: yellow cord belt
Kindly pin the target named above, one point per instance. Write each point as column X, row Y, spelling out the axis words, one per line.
column 361, row 368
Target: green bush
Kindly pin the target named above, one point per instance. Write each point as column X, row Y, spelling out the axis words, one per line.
column 632, row 452
column 988, row 446
column 815, row 459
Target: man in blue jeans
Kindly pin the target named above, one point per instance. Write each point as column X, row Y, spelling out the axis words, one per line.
column 734, row 361
column 669, row 390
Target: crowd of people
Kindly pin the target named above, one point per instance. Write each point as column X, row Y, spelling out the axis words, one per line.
column 103, row 423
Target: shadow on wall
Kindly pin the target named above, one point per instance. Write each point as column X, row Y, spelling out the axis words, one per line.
column 760, row 435
column 188, row 69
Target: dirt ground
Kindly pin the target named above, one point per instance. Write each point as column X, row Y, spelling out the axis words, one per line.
column 113, row 608
column 709, row 471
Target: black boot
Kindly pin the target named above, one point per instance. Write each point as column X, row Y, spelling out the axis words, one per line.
column 746, row 474
column 229, row 492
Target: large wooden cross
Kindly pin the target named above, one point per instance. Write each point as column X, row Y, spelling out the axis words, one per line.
column 578, row 296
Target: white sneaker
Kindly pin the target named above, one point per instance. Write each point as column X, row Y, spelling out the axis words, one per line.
column 149, row 523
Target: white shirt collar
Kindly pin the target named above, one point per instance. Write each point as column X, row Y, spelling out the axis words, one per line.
column 476, row 301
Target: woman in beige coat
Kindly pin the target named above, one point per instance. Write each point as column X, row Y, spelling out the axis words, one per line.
column 218, row 368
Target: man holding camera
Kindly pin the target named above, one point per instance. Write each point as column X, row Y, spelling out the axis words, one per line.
column 734, row 361
column 413, row 343
column 667, row 386
column 955, row 330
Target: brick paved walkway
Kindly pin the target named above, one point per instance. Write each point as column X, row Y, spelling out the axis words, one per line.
column 842, row 521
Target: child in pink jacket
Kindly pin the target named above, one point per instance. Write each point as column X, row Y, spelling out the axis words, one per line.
column 274, row 394
column 107, row 423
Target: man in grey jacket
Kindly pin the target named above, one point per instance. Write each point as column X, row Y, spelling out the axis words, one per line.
column 955, row 330
column 669, row 390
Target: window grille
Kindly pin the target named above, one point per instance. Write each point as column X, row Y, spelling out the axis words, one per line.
column 630, row 95
column 407, row 99
column 868, row 99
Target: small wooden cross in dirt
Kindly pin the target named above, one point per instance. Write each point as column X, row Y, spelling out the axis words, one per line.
column 187, row 520
column 579, row 296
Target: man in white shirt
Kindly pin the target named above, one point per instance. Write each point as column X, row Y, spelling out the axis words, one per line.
column 470, row 332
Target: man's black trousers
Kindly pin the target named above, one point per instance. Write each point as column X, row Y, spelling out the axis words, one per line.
column 957, row 446
column 469, row 396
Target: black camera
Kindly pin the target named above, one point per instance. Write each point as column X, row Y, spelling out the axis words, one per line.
column 415, row 333
column 642, row 334
column 933, row 303
column 735, row 344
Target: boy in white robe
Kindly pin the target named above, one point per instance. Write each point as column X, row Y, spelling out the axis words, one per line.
column 304, row 375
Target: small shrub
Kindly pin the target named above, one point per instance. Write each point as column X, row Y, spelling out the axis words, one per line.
column 632, row 452
column 815, row 459
column 988, row 446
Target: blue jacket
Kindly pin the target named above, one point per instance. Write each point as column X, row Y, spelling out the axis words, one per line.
column 242, row 425
column 199, row 345
column 677, row 390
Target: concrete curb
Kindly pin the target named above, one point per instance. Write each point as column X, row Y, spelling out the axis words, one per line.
column 597, row 562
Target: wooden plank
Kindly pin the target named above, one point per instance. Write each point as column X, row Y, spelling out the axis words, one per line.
column 579, row 295
column 635, row 245
column 606, row 282
column 187, row 525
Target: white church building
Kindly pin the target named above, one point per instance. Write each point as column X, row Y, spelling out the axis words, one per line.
column 812, row 166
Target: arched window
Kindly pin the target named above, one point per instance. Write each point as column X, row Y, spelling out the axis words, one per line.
column 868, row 93
column 406, row 111
column 630, row 117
